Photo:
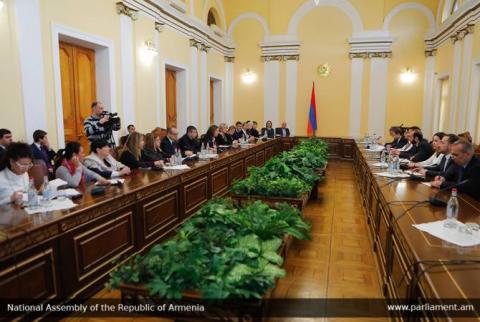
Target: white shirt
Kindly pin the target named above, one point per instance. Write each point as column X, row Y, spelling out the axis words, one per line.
column 406, row 147
column 10, row 183
column 433, row 160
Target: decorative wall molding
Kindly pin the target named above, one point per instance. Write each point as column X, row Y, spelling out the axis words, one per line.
column 280, row 48
column 229, row 59
column 309, row 5
column 248, row 15
column 123, row 9
column 179, row 5
column 430, row 53
column 159, row 26
column 281, row 58
column 162, row 11
column 375, row 43
column 219, row 7
column 409, row 6
column 467, row 14
column 461, row 34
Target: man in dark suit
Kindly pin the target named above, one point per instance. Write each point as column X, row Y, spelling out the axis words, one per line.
column 169, row 142
column 5, row 140
column 41, row 150
column 253, row 131
column 239, row 134
column 466, row 167
column 399, row 140
column 282, row 131
column 130, row 130
column 423, row 149
column 444, row 148
column 189, row 143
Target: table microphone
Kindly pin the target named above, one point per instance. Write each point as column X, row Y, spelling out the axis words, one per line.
column 434, row 201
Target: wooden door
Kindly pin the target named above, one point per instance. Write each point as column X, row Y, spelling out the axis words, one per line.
column 212, row 105
column 171, row 97
column 77, row 67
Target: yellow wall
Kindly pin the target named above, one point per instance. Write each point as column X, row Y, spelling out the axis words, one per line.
column 10, row 79
column 319, row 46
column 405, row 101
column 248, row 98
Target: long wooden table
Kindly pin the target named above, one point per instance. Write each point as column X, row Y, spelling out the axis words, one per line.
column 401, row 249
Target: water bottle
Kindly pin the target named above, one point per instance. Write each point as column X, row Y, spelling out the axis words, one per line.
column 383, row 159
column 452, row 210
column 178, row 157
column 47, row 191
column 390, row 164
column 396, row 164
column 32, row 195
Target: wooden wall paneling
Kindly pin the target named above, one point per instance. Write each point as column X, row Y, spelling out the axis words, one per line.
column 237, row 170
column 32, row 275
column 250, row 161
column 195, row 195
column 220, row 182
column 269, row 153
column 347, row 149
column 90, row 249
column 171, row 97
column 260, row 158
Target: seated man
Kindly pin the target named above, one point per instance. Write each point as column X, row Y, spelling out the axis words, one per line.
column 409, row 149
column 189, row 143
column 5, row 140
column 130, row 130
column 443, row 147
column 101, row 161
column 282, row 131
column 169, row 142
column 399, row 140
column 423, row 149
column 465, row 172
column 253, row 131
column 238, row 134
column 41, row 150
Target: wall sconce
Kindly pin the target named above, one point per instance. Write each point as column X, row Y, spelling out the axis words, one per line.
column 147, row 53
column 150, row 48
column 1, row 4
column 317, row 2
column 408, row 76
column 249, row 77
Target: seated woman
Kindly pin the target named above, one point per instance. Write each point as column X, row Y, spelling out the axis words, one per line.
column 13, row 173
column 101, row 161
column 131, row 154
column 437, row 155
column 268, row 130
column 223, row 138
column 151, row 151
column 69, row 167
column 209, row 139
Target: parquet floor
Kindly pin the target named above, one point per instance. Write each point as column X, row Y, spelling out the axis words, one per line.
column 337, row 263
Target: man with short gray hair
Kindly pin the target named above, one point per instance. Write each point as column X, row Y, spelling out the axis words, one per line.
column 466, row 169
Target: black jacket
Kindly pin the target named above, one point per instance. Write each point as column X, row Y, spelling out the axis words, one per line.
column 398, row 143
column 2, row 153
column 187, row 144
column 279, row 131
column 456, row 174
column 238, row 135
column 439, row 169
column 253, row 132
column 423, row 151
column 224, row 139
column 152, row 156
column 43, row 154
column 270, row 132
column 130, row 161
column 169, row 148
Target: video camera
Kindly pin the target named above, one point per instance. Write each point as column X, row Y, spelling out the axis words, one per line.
column 114, row 120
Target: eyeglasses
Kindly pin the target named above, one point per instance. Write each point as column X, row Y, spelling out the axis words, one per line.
column 24, row 166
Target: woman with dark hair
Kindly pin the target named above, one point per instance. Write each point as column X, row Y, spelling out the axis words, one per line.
column 436, row 157
column 69, row 167
column 131, row 154
column 209, row 139
column 399, row 140
column 14, row 172
column 223, row 138
column 268, row 130
column 151, row 151
column 101, row 161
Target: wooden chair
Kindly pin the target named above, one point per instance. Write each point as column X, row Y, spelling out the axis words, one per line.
column 38, row 172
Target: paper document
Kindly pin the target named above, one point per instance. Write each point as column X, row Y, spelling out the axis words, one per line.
column 451, row 235
column 176, row 167
column 390, row 175
column 54, row 205
column 380, row 165
column 57, row 183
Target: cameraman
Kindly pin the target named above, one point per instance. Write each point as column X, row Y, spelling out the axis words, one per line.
column 100, row 125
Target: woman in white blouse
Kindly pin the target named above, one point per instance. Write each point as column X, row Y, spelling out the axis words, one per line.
column 14, row 173
column 436, row 157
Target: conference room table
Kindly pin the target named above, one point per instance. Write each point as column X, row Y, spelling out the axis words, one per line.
column 415, row 266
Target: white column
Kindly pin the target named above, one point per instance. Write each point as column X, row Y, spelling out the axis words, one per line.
column 272, row 92
column 128, row 69
column 377, row 95
column 356, row 96
column 27, row 17
column 229, row 69
column 465, row 86
column 291, row 95
column 457, row 58
column 204, row 110
column 474, row 98
column 194, row 85
column 158, row 97
column 428, row 97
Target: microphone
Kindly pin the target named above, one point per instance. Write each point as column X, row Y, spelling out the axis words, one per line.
column 434, row 201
